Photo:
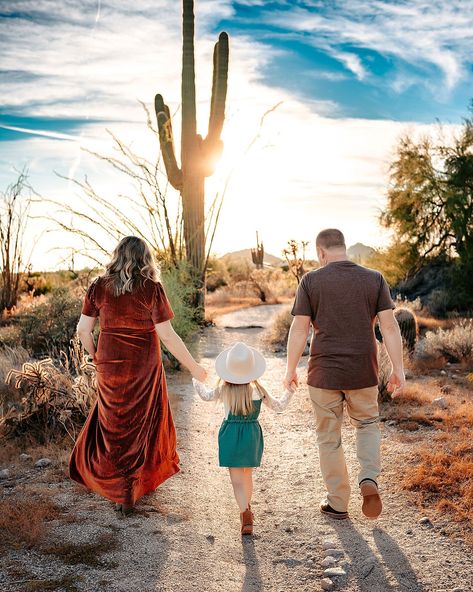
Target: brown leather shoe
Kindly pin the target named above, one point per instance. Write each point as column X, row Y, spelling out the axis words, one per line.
column 372, row 504
column 246, row 519
column 327, row 509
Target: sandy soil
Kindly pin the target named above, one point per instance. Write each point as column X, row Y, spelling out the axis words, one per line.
column 186, row 536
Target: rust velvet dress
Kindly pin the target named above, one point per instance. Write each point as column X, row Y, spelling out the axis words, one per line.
column 127, row 446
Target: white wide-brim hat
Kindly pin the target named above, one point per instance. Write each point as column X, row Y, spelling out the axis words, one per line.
column 240, row 364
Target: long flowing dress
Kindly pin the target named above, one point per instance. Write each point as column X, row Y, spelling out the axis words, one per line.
column 127, row 446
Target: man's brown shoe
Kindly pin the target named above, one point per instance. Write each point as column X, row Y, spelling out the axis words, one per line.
column 372, row 505
column 327, row 509
column 246, row 519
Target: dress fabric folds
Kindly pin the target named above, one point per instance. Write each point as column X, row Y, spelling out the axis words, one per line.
column 127, row 446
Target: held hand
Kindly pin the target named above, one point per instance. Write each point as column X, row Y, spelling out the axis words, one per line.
column 291, row 381
column 199, row 373
column 396, row 383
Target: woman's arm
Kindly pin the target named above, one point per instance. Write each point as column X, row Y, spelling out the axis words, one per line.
column 176, row 346
column 279, row 405
column 85, row 326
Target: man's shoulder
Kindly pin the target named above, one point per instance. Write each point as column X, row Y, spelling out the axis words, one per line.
column 309, row 277
column 368, row 272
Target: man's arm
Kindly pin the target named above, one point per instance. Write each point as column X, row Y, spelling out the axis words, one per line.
column 393, row 342
column 296, row 343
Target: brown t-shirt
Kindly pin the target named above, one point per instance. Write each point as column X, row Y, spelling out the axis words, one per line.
column 342, row 300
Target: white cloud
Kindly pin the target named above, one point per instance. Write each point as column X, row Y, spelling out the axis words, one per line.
column 421, row 33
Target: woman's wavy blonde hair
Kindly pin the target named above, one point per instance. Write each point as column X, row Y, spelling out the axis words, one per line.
column 239, row 397
column 131, row 263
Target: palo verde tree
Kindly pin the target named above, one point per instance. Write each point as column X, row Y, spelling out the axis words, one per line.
column 198, row 155
column 430, row 205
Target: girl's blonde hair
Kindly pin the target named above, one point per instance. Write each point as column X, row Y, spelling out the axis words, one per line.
column 239, row 397
column 131, row 263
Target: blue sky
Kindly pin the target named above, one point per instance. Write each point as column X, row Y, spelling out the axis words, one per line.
column 352, row 77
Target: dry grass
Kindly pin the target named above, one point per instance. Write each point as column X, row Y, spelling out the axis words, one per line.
column 453, row 345
column 431, row 324
column 55, row 397
column 84, row 553
column 218, row 306
column 441, row 471
column 23, row 522
column 29, row 583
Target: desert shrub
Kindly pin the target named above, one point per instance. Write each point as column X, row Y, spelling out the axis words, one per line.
column 10, row 358
column 454, row 345
column 279, row 331
column 438, row 302
column 179, row 290
column 47, row 328
column 55, row 398
column 10, row 336
column 217, row 274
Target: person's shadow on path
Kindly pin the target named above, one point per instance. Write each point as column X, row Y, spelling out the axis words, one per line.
column 252, row 581
column 396, row 561
column 369, row 572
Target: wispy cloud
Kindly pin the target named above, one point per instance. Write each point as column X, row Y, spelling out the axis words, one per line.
column 424, row 34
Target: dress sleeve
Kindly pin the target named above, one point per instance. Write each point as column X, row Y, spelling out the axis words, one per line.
column 302, row 305
column 89, row 307
column 384, row 297
column 204, row 393
column 278, row 405
column 161, row 310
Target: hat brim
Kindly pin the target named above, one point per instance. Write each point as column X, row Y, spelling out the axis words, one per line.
column 256, row 372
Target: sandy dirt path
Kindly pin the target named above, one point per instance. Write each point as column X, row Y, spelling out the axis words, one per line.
column 186, row 536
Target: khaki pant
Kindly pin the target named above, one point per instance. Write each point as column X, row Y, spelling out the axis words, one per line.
column 362, row 408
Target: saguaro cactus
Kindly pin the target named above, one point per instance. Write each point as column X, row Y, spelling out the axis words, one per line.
column 198, row 155
column 257, row 255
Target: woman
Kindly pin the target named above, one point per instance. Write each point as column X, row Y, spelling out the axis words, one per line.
column 127, row 446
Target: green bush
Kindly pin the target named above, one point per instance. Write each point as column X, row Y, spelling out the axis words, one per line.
column 178, row 286
column 48, row 328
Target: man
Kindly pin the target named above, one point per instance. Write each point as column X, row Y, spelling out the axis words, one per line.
column 342, row 300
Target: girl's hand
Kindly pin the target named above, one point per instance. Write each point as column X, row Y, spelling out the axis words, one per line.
column 199, row 373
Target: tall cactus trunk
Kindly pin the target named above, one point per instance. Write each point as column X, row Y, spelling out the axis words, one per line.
column 193, row 189
column 198, row 156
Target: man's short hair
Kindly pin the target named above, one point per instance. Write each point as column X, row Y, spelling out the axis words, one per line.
column 330, row 238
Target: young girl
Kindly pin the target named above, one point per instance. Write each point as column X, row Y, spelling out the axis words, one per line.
column 240, row 439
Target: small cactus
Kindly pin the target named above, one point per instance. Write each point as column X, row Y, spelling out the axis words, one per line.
column 408, row 325
column 257, row 254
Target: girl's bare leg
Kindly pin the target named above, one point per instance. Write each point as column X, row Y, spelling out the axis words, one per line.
column 237, row 476
column 248, row 476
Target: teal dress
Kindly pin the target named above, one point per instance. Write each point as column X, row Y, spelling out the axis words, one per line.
column 240, row 439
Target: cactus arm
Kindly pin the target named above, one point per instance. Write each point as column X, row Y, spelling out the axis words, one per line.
column 219, row 88
column 189, row 115
column 166, row 142
column 212, row 144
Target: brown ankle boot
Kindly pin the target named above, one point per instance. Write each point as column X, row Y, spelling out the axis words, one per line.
column 246, row 519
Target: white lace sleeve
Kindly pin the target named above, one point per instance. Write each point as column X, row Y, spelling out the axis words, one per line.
column 204, row 393
column 278, row 405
